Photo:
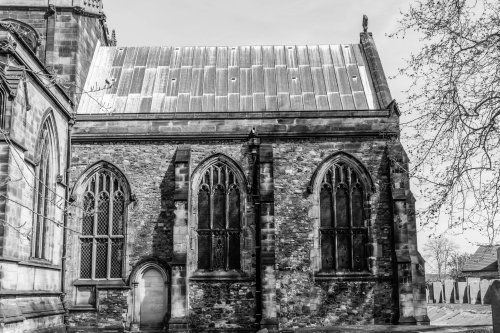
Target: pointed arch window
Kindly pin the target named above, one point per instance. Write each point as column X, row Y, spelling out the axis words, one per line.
column 103, row 236
column 44, row 191
column 343, row 228
column 219, row 219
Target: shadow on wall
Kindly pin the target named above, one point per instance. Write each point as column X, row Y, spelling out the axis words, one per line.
column 163, row 230
column 383, row 231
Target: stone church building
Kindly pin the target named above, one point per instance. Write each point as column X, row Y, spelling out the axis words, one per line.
column 197, row 188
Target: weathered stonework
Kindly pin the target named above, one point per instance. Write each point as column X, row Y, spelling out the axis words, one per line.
column 272, row 120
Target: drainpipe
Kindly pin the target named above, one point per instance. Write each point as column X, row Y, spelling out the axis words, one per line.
column 254, row 144
column 71, row 123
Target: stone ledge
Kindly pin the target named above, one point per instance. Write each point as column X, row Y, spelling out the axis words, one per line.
column 103, row 284
column 40, row 264
column 186, row 136
column 221, row 276
column 24, row 293
column 82, row 309
column 351, row 278
column 9, row 259
column 44, row 314
column 232, row 115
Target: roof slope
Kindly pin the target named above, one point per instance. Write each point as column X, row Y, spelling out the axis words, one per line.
column 221, row 79
column 484, row 259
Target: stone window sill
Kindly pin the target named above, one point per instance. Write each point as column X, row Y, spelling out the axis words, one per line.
column 41, row 263
column 77, row 308
column 231, row 275
column 345, row 276
column 102, row 284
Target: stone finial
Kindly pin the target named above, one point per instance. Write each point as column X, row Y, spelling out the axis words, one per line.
column 113, row 41
column 365, row 23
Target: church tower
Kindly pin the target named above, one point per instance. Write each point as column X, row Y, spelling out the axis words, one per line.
column 66, row 33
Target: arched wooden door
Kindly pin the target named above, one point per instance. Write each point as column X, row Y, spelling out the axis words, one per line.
column 150, row 297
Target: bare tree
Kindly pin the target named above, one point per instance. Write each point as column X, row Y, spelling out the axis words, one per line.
column 454, row 111
column 457, row 262
column 440, row 249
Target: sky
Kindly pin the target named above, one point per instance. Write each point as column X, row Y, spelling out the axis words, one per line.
column 272, row 22
column 261, row 22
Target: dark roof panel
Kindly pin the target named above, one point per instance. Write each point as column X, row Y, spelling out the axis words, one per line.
column 485, row 259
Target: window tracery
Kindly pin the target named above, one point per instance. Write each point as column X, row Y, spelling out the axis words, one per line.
column 219, row 219
column 103, row 238
column 44, row 184
column 343, row 230
column 44, row 189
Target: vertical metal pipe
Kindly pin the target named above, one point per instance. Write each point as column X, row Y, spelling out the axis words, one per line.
column 71, row 123
column 254, row 145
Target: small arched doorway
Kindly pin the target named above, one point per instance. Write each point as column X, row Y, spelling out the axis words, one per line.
column 150, row 288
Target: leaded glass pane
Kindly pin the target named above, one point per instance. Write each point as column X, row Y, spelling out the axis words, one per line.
column 234, row 209
column 219, row 251
column 219, row 213
column 327, row 253
column 357, row 208
column 215, row 176
column 108, row 183
column 344, row 250
column 234, row 250
column 118, row 212
column 101, row 182
column 326, row 207
column 92, row 185
column 342, row 206
column 116, row 258
column 101, row 258
column 88, row 215
column 86, row 258
column 204, row 250
column 204, row 209
column 359, row 251
column 103, row 214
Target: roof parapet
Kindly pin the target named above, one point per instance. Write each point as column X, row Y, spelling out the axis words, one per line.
column 375, row 65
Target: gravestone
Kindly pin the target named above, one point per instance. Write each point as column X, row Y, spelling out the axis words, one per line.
column 431, row 293
column 494, row 295
column 474, row 296
column 437, row 288
column 484, row 285
column 461, row 292
column 449, row 290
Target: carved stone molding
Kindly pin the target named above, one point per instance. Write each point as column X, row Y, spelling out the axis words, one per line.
column 8, row 44
column 51, row 10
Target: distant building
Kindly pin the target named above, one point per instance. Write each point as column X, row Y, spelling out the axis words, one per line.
column 483, row 263
column 197, row 188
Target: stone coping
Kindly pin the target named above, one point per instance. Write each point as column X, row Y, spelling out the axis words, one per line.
column 394, row 328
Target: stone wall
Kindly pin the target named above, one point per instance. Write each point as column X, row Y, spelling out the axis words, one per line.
column 31, row 286
column 34, row 18
column 226, row 305
column 302, row 298
column 302, row 295
column 68, row 41
column 150, row 170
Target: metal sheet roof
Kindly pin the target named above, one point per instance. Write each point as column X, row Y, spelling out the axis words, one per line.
column 484, row 259
column 222, row 79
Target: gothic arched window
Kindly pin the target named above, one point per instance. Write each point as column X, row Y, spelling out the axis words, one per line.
column 103, row 223
column 44, row 189
column 343, row 229
column 219, row 219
